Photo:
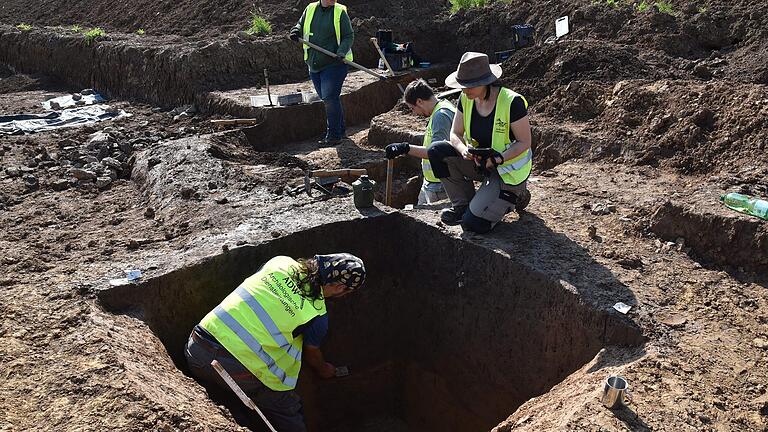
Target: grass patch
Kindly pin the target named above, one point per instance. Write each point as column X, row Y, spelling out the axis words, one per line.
column 140, row 32
column 92, row 34
column 665, row 7
column 702, row 9
column 643, row 6
column 24, row 27
column 259, row 25
column 76, row 29
column 457, row 5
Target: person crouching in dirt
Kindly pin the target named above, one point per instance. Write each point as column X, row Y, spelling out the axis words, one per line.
column 489, row 117
column 421, row 99
column 326, row 24
column 261, row 332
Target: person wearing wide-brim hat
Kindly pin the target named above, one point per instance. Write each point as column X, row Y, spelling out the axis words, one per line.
column 493, row 117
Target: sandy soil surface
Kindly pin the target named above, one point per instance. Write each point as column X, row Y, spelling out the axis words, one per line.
column 641, row 119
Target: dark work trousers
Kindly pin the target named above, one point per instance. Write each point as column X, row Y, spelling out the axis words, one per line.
column 492, row 200
column 282, row 408
column 328, row 84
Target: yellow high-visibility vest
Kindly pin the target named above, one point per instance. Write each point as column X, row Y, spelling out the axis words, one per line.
column 309, row 13
column 255, row 323
column 514, row 171
column 425, row 165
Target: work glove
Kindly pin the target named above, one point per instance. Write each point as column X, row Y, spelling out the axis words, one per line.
column 295, row 34
column 394, row 150
column 496, row 157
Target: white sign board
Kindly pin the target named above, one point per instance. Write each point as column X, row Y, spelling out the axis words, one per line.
column 561, row 27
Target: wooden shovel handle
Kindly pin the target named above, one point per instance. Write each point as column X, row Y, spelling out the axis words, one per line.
column 339, row 173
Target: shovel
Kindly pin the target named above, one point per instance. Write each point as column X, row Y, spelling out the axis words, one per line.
column 344, row 60
column 240, row 393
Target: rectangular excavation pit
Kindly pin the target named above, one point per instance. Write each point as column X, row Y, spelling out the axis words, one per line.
column 446, row 335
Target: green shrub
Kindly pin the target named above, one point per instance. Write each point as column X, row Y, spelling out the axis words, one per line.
column 259, row 25
column 76, row 28
column 665, row 7
column 140, row 32
column 642, row 7
column 457, row 5
column 702, row 9
column 24, row 27
column 92, row 34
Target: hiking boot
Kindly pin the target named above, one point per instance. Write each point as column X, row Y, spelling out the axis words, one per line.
column 328, row 142
column 522, row 201
column 453, row 215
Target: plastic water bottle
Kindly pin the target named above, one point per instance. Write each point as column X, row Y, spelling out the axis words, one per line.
column 746, row 204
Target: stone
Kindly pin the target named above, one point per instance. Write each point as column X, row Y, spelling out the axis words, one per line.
column 602, row 209
column 760, row 343
column 82, row 174
column 149, row 213
column 13, row 172
column 88, row 91
column 76, row 96
column 103, row 182
column 133, row 244
column 60, row 185
column 180, row 117
column 702, row 71
column 55, row 106
column 31, row 182
column 222, row 200
column 112, row 163
column 99, row 139
column 187, row 192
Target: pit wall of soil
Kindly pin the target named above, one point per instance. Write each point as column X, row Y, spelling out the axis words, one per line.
column 165, row 75
column 281, row 125
column 455, row 339
column 731, row 240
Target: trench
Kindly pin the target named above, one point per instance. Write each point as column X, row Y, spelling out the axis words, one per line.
column 446, row 335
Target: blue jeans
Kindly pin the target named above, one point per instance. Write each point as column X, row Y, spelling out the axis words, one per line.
column 328, row 86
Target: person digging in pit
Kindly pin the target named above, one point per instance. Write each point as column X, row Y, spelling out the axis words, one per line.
column 490, row 143
column 422, row 101
column 326, row 24
column 261, row 332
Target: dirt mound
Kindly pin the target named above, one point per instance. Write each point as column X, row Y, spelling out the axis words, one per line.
column 189, row 17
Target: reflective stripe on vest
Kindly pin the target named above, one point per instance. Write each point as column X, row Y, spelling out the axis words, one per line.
column 513, row 171
column 310, row 13
column 255, row 323
column 255, row 346
column 426, row 168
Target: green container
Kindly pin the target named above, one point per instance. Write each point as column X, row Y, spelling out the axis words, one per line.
column 362, row 190
column 746, row 204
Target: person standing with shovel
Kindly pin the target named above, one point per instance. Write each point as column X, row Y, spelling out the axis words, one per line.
column 326, row 24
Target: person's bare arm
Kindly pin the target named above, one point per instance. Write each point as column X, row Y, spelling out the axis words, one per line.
column 457, row 136
column 521, row 130
column 314, row 357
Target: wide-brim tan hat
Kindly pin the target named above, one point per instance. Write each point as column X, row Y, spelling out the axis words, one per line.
column 474, row 71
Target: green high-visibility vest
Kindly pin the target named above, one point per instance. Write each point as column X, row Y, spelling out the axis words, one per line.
column 309, row 13
column 255, row 323
column 425, row 166
column 514, row 171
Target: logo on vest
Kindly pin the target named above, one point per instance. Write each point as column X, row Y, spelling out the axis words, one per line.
column 500, row 126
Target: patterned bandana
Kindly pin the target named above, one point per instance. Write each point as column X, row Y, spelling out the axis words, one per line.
column 341, row 267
